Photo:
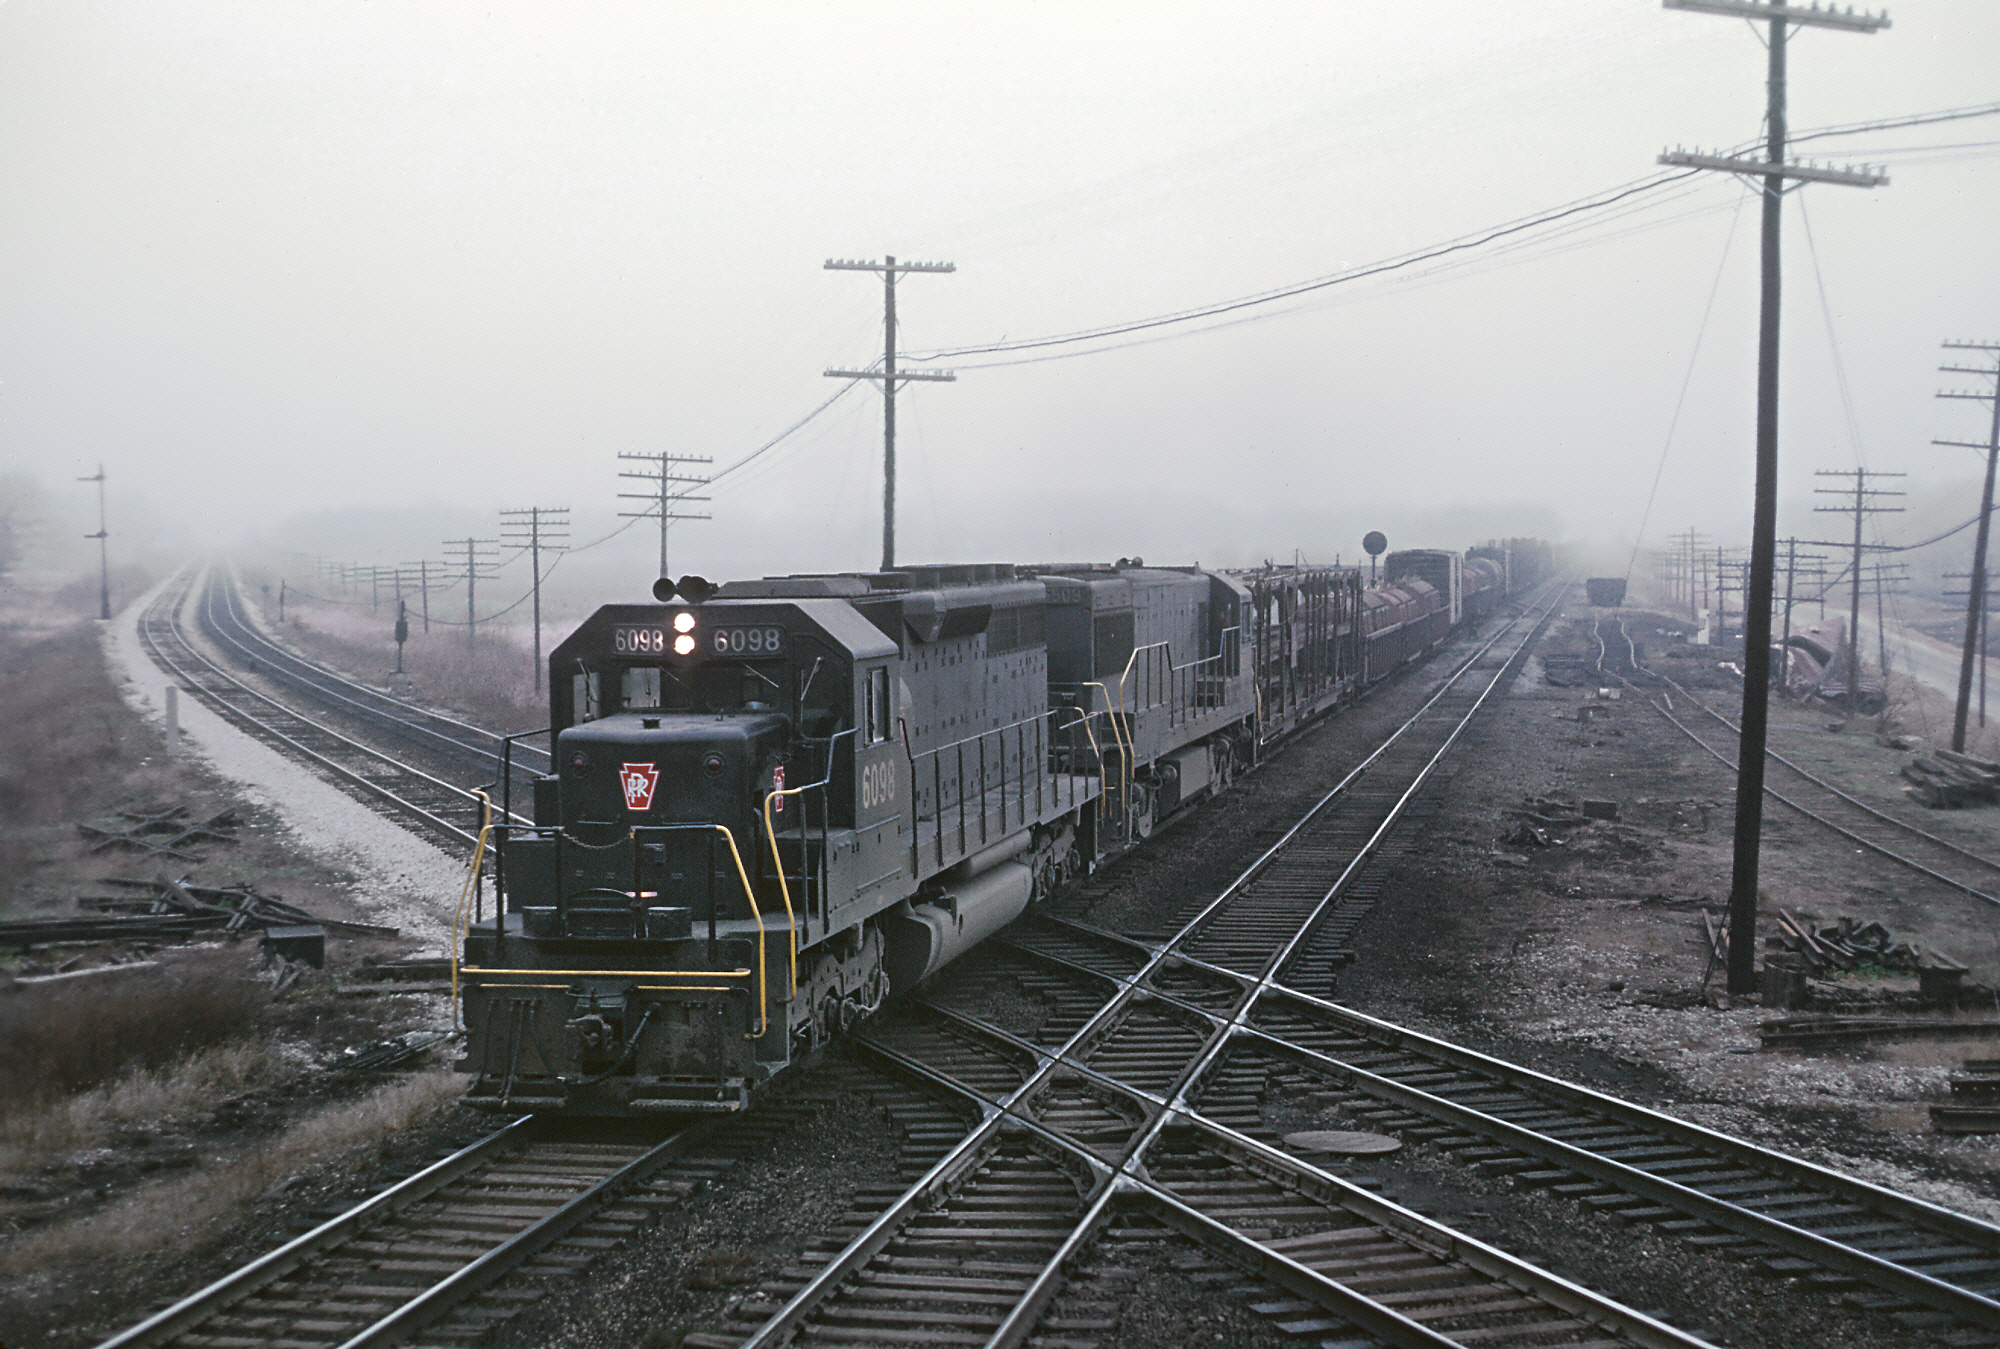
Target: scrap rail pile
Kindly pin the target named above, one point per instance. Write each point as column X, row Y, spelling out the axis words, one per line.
column 1849, row 945
column 1943, row 780
column 164, row 911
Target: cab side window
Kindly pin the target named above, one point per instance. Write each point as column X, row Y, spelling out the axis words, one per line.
column 878, row 705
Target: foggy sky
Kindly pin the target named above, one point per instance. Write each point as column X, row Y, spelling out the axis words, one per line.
column 278, row 265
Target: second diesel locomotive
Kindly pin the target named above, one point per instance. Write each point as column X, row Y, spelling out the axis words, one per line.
column 777, row 804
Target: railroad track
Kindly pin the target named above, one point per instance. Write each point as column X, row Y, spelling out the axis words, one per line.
column 1091, row 1056
column 444, row 811
column 434, row 805
column 422, row 1262
column 473, row 750
column 1130, row 1088
column 1812, row 796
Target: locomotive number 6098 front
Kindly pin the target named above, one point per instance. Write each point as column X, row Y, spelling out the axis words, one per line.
column 646, row 947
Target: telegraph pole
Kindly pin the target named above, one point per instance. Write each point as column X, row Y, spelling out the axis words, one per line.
column 668, row 496
column 1690, row 545
column 536, row 528
column 1985, row 615
column 423, row 567
column 479, row 555
column 1975, row 605
column 103, row 551
column 1864, row 505
column 1773, row 171
column 889, row 268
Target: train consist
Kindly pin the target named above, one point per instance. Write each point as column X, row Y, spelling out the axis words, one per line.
column 775, row 805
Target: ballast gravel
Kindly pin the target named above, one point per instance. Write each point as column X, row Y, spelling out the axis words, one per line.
column 399, row 879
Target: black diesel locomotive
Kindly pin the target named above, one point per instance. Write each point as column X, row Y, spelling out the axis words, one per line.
column 777, row 804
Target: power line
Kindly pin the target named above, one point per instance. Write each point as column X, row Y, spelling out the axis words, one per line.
column 1318, row 283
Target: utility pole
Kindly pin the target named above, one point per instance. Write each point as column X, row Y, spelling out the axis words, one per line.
column 537, row 528
column 1690, row 546
column 1975, row 605
column 1773, row 171
column 890, row 269
column 1864, row 499
column 1884, row 575
column 1985, row 591
column 668, row 496
column 423, row 567
column 103, row 549
column 479, row 554
column 1813, row 566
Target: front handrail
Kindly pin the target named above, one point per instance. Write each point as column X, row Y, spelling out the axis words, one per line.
column 749, row 896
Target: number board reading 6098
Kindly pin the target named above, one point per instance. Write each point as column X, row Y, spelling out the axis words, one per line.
column 747, row 641
column 759, row 641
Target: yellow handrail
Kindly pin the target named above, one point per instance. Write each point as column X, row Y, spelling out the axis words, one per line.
column 461, row 917
column 1125, row 751
column 771, row 832
column 617, row 974
column 749, row 895
column 763, row 990
column 1083, row 718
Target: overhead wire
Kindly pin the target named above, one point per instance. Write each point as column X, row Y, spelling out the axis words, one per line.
column 1598, row 202
column 1687, row 381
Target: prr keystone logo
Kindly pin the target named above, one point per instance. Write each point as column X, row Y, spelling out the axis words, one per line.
column 638, row 780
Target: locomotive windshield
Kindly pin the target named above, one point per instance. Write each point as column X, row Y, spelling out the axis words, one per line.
column 727, row 686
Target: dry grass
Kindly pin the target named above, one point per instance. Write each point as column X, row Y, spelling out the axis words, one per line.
column 173, row 1097
column 491, row 684
column 74, row 744
column 188, row 1210
column 61, row 1038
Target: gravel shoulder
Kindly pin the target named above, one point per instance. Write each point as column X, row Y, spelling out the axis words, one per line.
column 398, row 879
column 1588, row 960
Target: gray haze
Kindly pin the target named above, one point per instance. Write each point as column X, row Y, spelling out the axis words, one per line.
column 350, row 277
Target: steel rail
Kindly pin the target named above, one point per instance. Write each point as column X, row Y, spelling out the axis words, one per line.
column 1019, row 1325
column 1966, row 1304
column 788, row 1318
column 1817, row 781
column 243, row 635
column 149, row 624
column 1850, row 835
column 164, row 1325
column 1836, row 790
column 434, row 1302
column 1389, row 1035
column 1302, row 1176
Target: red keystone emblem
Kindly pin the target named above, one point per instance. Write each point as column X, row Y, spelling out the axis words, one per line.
column 638, row 780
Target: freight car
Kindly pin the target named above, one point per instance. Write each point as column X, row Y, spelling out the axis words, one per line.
column 777, row 804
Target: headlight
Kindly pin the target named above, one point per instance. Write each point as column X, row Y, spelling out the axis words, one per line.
column 683, row 622
column 684, row 645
